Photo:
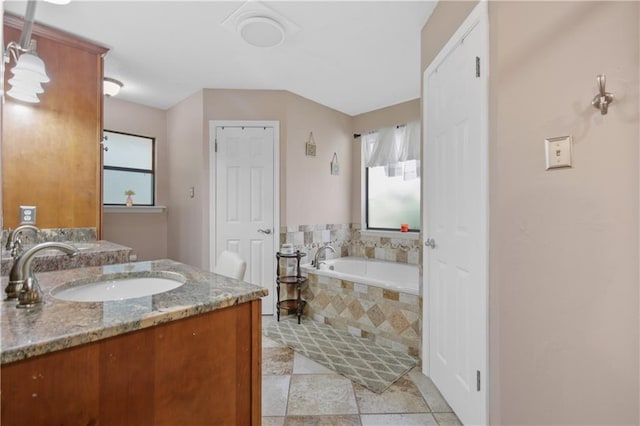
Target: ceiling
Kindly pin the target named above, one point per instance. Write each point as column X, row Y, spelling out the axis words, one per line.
column 354, row 57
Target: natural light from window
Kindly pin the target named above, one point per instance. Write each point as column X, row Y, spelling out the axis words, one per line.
column 391, row 161
column 128, row 169
column 392, row 200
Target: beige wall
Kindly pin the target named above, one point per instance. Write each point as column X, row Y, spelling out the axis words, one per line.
column 384, row 117
column 254, row 105
column 224, row 104
column 444, row 21
column 564, row 243
column 186, row 164
column 313, row 195
column 145, row 233
column 188, row 133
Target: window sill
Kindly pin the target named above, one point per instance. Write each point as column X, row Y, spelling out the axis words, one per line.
column 134, row 209
column 391, row 234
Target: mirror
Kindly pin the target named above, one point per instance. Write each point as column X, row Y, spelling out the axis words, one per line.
column 51, row 150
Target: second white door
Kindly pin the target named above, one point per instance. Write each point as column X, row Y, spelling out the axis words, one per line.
column 245, row 201
column 455, row 205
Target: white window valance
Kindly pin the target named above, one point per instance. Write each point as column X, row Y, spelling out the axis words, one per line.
column 397, row 149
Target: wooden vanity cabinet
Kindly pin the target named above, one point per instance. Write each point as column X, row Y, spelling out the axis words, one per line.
column 201, row 370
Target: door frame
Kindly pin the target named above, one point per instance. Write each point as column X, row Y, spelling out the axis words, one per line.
column 213, row 124
column 478, row 17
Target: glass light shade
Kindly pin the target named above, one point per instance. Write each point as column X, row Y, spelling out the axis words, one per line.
column 22, row 95
column 26, row 85
column 31, row 67
column 111, row 87
column 58, row 1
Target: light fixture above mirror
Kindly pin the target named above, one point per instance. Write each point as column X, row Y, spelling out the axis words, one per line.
column 29, row 72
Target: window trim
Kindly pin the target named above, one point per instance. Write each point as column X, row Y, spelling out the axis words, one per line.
column 134, row 170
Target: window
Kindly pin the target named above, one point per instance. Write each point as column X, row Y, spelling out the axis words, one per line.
column 392, row 178
column 129, row 169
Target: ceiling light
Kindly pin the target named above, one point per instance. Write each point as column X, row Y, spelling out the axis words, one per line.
column 261, row 31
column 111, row 86
column 58, row 1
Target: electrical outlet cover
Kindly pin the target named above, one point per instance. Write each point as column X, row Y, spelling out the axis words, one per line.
column 27, row 215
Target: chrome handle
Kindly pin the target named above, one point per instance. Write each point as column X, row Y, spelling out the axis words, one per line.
column 265, row 231
column 430, row 243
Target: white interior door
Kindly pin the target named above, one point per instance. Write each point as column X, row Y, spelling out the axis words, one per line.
column 245, row 201
column 456, row 209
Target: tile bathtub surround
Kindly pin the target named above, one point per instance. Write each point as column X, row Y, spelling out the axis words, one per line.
column 363, row 312
column 308, row 238
column 348, row 241
column 389, row 318
column 398, row 250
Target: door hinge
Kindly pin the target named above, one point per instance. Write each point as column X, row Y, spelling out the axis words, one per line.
column 478, row 380
column 215, row 146
column 477, row 66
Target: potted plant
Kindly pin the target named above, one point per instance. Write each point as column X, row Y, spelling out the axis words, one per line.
column 129, row 193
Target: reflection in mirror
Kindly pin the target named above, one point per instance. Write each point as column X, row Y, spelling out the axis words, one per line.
column 50, row 150
column 129, row 169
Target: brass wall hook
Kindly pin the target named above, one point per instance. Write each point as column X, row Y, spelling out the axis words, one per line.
column 602, row 100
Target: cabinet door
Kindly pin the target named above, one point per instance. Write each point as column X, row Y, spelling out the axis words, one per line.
column 204, row 369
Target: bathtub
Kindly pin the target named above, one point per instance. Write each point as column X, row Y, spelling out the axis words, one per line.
column 375, row 299
column 394, row 276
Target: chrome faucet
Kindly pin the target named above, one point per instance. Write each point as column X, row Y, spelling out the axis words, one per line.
column 316, row 260
column 22, row 280
column 14, row 245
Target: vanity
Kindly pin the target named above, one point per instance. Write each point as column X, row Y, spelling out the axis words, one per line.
column 190, row 355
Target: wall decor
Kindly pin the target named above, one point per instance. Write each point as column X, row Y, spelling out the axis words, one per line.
column 310, row 146
column 335, row 167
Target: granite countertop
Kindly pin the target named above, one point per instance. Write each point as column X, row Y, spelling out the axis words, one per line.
column 59, row 324
column 92, row 253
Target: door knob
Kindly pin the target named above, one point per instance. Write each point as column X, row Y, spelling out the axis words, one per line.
column 265, row 231
column 430, row 243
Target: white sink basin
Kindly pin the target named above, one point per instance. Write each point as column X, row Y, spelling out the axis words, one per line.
column 119, row 288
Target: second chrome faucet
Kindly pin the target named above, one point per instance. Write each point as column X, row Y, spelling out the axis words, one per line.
column 316, row 260
column 14, row 244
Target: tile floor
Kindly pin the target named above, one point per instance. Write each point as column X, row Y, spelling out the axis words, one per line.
column 299, row 391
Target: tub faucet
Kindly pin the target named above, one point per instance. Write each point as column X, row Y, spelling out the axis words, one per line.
column 14, row 245
column 22, row 280
column 316, row 260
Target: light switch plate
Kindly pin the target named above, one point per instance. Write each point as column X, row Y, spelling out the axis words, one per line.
column 559, row 152
column 27, row 215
